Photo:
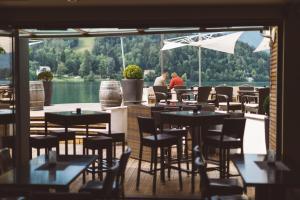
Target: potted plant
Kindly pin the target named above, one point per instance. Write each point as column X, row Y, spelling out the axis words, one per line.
column 266, row 108
column 133, row 84
column 46, row 77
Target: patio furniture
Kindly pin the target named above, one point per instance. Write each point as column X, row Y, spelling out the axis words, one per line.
column 161, row 93
column 156, row 140
column 224, row 99
column 46, row 142
column 231, row 137
column 198, row 124
column 175, row 131
column 230, row 197
column 245, row 89
column 118, row 183
column 182, row 92
column 9, row 142
column 274, row 179
column 212, row 186
column 257, row 105
column 203, row 94
column 117, row 137
column 39, row 175
column 63, row 136
column 6, row 161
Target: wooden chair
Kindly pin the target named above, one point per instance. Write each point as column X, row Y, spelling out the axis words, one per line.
column 99, row 143
column 203, row 94
column 63, row 136
column 210, row 187
column 106, row 188
column 231, row 137
column 6, row 161
column 224, row 99
column 257, row 105
column 161, row 93
column 175, row 131
column 46, row 142
column 156, row 141
column 118, row 185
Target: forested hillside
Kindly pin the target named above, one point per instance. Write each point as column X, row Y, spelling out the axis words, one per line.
column 104, row 60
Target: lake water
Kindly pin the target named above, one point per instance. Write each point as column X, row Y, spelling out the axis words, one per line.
column 88, row 92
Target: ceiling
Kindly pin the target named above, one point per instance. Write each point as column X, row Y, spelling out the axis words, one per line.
column 65, row 3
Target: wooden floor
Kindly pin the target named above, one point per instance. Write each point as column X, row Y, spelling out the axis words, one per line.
column 169, row 190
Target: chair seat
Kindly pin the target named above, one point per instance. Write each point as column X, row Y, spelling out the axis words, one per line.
column 62, row 135
column 97, row 142
column 43, row 141
column 116, row 136
column 231, row 197
column 225, row 186
column 227, row 141
column 162, row 140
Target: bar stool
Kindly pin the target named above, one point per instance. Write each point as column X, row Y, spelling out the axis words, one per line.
column 64, row 136
column 98, row 143
column 156, row 141
column 231, row 137
column 117, row 137
column 46, row 142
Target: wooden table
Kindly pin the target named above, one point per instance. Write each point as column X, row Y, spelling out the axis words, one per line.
column 270, row 181
column 198, row 122
column 69, row 118
column 38, row 175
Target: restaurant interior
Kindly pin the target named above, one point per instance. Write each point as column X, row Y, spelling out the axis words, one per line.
column 198, row 142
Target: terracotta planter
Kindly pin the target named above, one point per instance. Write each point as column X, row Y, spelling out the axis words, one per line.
column 48, row 92
column 132, row 90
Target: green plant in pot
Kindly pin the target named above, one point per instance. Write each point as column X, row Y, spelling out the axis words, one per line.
column 266, row 108
column 132, row 84
column 46, row 77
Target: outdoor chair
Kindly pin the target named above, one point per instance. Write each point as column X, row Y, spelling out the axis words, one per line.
column 175, row 131
column 118, row 184
column 231, row 137
column 156, row 140
column 212, row 186
column 64, row 136
column 161, row 93
column 182, row 93
column 230, row 197
column 254, row 104
column 46, row 142
column 9, row 142
column 203, row 94
column 105, row 190
column 224, row 99
column 244, row 89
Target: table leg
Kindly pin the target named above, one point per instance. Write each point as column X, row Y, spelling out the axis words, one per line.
column 66, row 141
column 194, row 131
column 162, row 165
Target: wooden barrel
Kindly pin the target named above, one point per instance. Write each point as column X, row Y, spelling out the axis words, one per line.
column 37, row 95
column 110, row 94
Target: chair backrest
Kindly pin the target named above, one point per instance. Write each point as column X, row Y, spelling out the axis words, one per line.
column 246, row 87
column 263, row 93
column 203, row 93
column 6, row 161
column 157, row 119
column 163, row 89
column 60, row 196
column 122, row 168
column 225, row 90
column 146, row 125
column 110, row 179
column 234, row 127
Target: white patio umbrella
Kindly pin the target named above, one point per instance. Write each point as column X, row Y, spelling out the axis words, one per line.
column 263, row 45
column 224, row 43
column 6, row 44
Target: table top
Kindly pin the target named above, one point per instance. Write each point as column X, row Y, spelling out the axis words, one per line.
column 39, row 175
column 72, row 118
column 191, row 114
column 255, row 171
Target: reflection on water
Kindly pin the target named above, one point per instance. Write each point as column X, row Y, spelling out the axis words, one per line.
column 88, row 92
